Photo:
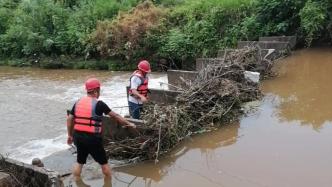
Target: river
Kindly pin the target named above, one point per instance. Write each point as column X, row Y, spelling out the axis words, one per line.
column 286, row 141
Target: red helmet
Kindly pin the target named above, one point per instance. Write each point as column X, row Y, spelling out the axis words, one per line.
column 91, row 84
column 144, row 66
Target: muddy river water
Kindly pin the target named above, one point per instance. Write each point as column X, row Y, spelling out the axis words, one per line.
column 286, row 141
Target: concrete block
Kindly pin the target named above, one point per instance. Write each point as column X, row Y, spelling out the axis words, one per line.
column 290, row 39
column 253, row 76
column 279, row 46
column 202, row 63
column 180, row 79
column 243, row 44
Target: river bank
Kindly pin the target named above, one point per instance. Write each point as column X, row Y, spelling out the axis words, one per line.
column 64, row 62
column 178, row 31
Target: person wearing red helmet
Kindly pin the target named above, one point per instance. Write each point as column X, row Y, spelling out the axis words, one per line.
column 138, row 89
column 84, row 127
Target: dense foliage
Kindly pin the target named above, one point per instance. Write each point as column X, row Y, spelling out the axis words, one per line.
column 161, row 30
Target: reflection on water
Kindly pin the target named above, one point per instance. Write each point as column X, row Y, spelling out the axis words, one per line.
column 149, row 173
column 304, row 88
column 205, row 144
column 80, row 183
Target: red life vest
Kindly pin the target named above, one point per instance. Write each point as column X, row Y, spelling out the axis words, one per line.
column 143, row 87
column 85, row 117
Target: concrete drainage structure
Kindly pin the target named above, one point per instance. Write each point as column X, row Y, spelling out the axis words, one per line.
column 272, row 48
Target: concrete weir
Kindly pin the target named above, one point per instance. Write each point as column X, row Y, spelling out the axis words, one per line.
column 180, row 79
column 163, row 96
column 270, row 54
column 290, row 39
column 279, row 46
column 272, row 48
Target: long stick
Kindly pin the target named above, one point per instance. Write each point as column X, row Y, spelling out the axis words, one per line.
column 170, row 85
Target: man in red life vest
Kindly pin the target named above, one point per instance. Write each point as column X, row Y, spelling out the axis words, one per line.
column 84, row 126
column 138, row 89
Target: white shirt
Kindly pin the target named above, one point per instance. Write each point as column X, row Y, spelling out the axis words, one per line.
column 135, row 82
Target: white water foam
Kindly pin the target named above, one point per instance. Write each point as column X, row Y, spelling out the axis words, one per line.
column 38, row 148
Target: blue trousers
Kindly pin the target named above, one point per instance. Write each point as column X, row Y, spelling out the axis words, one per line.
column 135, row 110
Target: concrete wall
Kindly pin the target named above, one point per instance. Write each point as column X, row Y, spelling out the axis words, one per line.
column 279, row 46
column 178, row 78
column 202, row 63
column 290, row 39
column 163, row 96
column 159, row 96
column 188, row 66
column 116, row 131
column 270, row 54
column 221, row 53
column 40, row 175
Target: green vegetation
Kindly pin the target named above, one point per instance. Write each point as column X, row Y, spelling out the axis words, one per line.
column 114, row 34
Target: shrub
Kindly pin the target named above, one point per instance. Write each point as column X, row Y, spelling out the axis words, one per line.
column 248, row 29
column 122, row 36
column 199, row 28
column 279, row 17
column 177, row 45
column 34, row 29
column 313, row 20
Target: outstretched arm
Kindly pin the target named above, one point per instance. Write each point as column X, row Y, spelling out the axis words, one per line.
column 121, row 120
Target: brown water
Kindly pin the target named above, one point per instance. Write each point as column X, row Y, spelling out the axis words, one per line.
column 286, row 142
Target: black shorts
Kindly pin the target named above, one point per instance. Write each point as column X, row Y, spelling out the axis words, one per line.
column 89, row 144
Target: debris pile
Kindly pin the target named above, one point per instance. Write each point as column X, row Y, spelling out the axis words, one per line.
column 213, row 99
